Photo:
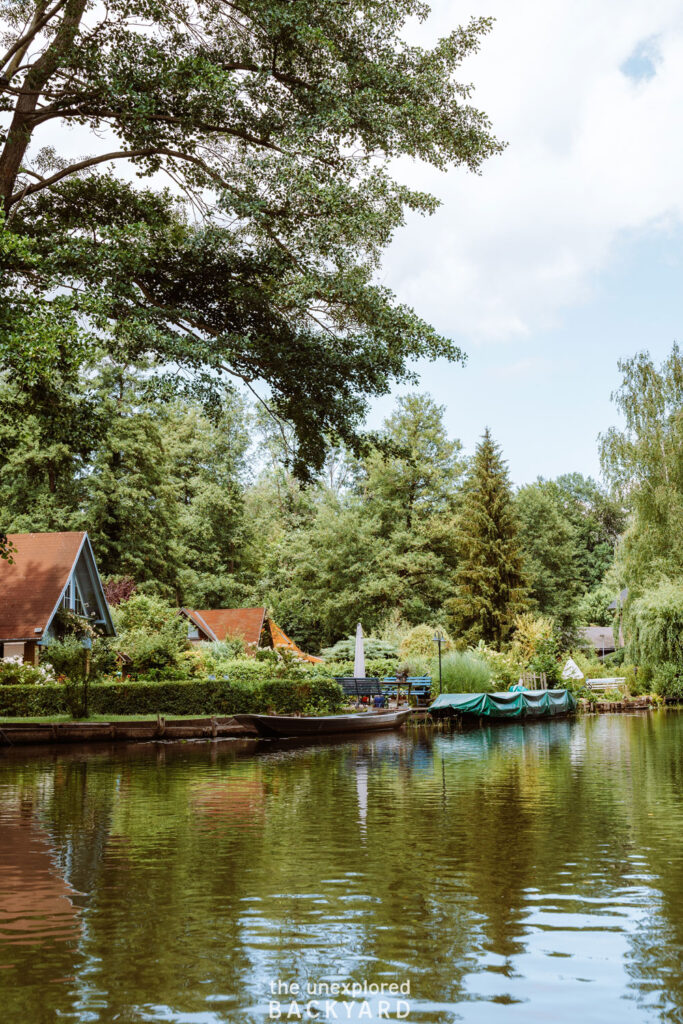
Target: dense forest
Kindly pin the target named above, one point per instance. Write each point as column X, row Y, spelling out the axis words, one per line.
column 207, row 512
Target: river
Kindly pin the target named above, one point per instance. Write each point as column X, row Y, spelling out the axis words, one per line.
column 515, row 873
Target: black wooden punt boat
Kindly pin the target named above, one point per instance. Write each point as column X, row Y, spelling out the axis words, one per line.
column 324, row 725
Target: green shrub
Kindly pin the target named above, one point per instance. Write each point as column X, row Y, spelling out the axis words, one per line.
column 67, row 657
column 464, row 672
column 613, row 694
column 545, row 660
column 668, row 680
column 373, row 669
column 375, row 650
column 151, row 634
column 504, row 665
column 14, row 673
column 223, row 650
column 176, row 698
column 615, row 659
column 420, row 642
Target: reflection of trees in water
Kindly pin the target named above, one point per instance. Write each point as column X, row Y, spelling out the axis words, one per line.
column 206, row 871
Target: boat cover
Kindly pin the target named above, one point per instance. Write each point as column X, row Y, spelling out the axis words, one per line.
column 507, row 705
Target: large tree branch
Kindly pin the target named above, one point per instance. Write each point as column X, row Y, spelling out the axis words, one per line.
column 39, row 74
column 122, row 154
column 19, row 47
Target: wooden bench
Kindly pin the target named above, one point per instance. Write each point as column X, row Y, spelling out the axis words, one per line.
column 600, row 685
column 361, row 689
column 420, row 687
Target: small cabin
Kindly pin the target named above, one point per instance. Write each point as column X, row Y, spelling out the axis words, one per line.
column 48, row 571
column 252, row 625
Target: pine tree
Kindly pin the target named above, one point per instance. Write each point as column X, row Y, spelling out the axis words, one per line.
column 489, row 580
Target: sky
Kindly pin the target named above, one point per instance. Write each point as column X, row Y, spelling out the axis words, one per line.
column 566, row 253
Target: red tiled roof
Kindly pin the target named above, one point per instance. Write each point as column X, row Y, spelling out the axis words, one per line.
column 31, row 587
column 225, row 622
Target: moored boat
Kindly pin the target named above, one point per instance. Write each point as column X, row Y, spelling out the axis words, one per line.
column 323, row 725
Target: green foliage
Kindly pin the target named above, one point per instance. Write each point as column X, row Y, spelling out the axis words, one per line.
column 14, row 673
column 655, row 624
column 375, row 650
column 546, row 660
column 489, row 579
column 376, row 669
column 420, row 643
column 282, row 221
column 643, row 464
column 67, row 657
column 274, row 696
column 530, row 633
column 597, row 520
column 593, row 607
column 383, row 545
column 506, row 666
column 668, row 680
column 465, row 672
column 151, row 634
column 549, row 544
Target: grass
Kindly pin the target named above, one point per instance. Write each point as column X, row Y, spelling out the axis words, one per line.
column 464, row 672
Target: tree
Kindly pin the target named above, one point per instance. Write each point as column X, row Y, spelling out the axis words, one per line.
column 385, row 543
column 644, row 463
column 549, row 545
column 206, row 469
column 132, row 511
column 275, row 123
column 598, row 521
column 490, row 582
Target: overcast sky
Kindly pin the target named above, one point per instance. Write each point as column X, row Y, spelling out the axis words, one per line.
column 566, row 253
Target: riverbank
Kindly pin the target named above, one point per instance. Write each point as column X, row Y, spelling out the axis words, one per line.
column 18, row 733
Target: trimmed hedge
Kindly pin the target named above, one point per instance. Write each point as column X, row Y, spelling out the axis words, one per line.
column 276, row 696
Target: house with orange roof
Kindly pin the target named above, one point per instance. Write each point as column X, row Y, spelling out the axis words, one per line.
column 48, row 571
column 252, row 625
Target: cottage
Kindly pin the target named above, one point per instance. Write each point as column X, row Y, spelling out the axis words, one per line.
column 250, row 624
column 49, row 571
column 600, row 638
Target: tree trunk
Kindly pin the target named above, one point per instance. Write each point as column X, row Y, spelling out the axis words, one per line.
column 22, row 126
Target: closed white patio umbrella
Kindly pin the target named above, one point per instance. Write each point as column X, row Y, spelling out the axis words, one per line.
column 359, row 658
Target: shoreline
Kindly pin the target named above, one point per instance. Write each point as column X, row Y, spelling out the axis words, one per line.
column 19, row 734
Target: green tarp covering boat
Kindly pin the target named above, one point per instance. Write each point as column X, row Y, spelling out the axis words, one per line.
column 518, row 704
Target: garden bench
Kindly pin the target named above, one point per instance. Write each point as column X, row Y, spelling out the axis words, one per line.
column 600, row 685
column 359, row 688
column 420, row 687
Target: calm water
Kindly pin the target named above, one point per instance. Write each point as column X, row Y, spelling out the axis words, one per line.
column 512, row 874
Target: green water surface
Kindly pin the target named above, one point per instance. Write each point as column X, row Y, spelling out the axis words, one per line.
column 517, row 873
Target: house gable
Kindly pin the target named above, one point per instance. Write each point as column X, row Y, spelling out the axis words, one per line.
column 221, row 623
column 47, row 570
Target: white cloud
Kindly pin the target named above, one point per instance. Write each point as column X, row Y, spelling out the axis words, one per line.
column 595, row 154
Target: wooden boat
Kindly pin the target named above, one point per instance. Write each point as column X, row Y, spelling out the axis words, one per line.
column 324, row 725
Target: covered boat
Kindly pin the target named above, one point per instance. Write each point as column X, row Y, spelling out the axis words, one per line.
column 518, row 704
column 323, row 725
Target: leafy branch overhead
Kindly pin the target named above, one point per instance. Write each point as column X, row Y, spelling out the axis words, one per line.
column 272, row 124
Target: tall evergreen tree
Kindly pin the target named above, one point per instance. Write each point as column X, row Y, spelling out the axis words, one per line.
column 490, row 583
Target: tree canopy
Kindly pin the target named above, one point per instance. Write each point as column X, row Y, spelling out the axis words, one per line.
column 644, row 463
column 272, row 124
column 490, row 581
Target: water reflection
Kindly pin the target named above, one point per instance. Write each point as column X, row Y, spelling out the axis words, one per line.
column 513, row 873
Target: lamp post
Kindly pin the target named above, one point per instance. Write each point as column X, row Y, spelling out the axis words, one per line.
column 438, row 639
